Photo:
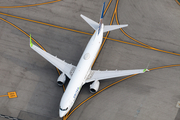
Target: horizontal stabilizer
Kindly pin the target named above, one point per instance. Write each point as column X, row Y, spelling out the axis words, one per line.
column 92, row 23
column 113, row 27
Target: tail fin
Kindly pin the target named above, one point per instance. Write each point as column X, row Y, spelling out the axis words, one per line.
column 102, row 13
column 92, row 23
column 101, row 18
column 96, row 25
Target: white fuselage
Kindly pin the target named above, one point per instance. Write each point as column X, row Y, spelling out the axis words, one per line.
column 81, row 73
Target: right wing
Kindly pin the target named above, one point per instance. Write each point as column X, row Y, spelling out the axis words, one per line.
column 101, row 75
column 66, row 68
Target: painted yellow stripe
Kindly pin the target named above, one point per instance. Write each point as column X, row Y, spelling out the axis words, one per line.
column 152, row 48
column 87, row 33
column 22, row 32
column 117, row 21
column 43, row 23
column 3, row 95
column 31, row 38
column 167, row 66
column 107, row 7
column 178, row 2
column 145, row 45
column 30, row 5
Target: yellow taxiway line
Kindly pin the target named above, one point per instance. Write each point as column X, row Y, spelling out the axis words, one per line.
column 21, row 6
column 145, row 45
column 56, row 26
column 43, row 23
column 10, row 95
column 177, row 2
column 3, row 95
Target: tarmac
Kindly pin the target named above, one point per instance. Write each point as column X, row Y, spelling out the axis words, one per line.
column 149, row 96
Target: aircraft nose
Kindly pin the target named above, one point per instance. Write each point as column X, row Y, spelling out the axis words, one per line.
column 61, row 113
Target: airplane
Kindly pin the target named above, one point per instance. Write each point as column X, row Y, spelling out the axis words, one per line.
column 82, row 73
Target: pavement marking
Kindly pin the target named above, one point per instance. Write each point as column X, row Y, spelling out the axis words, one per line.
column 178, row 2
column 117, row 21
column 3, row 95
column 10, row 95
column 30, row 5
column 145, row 45
column 43, row 23
column 31, row 38
column 78, row 31
column 107, row 7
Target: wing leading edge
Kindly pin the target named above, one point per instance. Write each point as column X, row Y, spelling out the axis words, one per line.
column 60, row 64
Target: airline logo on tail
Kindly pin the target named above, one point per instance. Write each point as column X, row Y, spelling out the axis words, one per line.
column 101, row 18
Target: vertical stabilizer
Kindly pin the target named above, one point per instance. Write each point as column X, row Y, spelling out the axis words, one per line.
column 102, row 13
column 94, row 24
column 101, row 18
column 97, row 26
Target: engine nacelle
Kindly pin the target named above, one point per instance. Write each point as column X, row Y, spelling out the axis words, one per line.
column 94, row 86
column 61, row 79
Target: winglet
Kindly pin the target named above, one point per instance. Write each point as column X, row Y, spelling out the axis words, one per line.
column 31, row 44
column 147, row 67
column 145, row 70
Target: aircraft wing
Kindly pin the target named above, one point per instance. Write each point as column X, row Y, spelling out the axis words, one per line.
column 101, row 75
column 66, row 68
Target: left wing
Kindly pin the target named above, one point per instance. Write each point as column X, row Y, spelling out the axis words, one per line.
column 66, row 68
column 100, row 75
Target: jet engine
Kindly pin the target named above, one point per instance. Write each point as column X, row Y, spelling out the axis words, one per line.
column 61, row 79
column 94, row 86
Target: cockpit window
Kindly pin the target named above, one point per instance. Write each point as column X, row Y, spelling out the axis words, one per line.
column 63, row 109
